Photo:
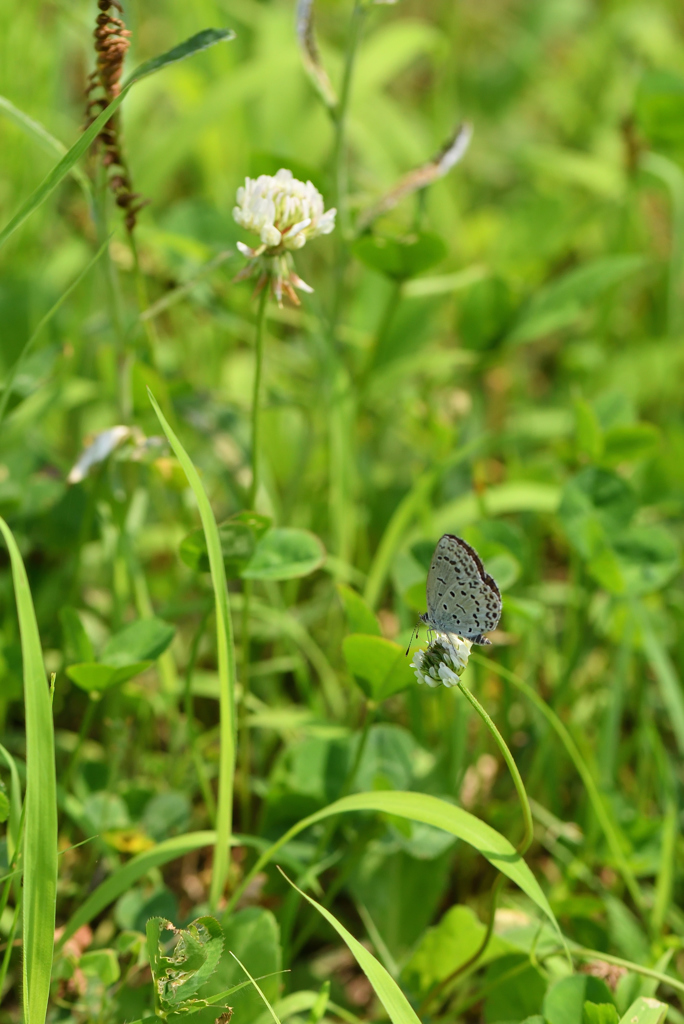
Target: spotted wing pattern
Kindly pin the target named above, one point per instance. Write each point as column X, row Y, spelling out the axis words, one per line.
column 461, row 597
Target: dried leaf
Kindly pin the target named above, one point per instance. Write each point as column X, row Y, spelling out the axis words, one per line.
column 421, row 177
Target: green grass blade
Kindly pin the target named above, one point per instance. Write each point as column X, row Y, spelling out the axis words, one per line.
column 270, row 1008
column 191, row 46
column 403, row 516
column 645, row 1011
column 43, row 137
column 40, row 839
column 581, row 953
column 60, row 170
column 388, row 992
column 120, row 881
column 607, row 825
column 429, row 810
column 226, row 663
column 201, row 41
column 4, row 399
column 15, row 804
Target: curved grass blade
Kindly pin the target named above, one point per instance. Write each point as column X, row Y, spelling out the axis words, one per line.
column 40, row 839
column 121, row 880
column 429, row 810
column 226, row 663
column 388, row 992
column 607, row 826
column 191, row 46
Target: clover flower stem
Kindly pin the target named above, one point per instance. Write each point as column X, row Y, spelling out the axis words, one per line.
column 256, row 396
column 522, row 848
column 528, row 834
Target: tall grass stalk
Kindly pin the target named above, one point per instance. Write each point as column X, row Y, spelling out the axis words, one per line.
column 226, row 666
column 40, row 845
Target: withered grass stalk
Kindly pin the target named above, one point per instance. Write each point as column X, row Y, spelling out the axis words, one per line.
column 112, row 40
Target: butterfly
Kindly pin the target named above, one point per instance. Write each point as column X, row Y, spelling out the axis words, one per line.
column 461, row 597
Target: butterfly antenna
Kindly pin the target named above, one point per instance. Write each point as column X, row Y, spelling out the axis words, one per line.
column 414, row 633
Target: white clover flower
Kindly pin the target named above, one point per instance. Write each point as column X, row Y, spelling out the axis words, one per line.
column 443, row 661
column 282, row 210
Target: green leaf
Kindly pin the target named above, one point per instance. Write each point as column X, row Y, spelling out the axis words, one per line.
column 194, row 957
column 588, row 433
column 564, row 1001
column 143, row 640
column 285, row 553
column 400, row 258
column 515, row 988
column 40, row 830
column 659, row 109
column 559, row 303
column 94, row 677
column 595, row 505
column 226, row 663
column 599, row 1013
column 485, row 314
column 645, row 1011
column 388, row 992
column 451, row 943
column 380, row 666
column 102, row 964
column 198, row 42
column 630, row 442
column 253, row 935
column 648, row 557
column 360, row 616
column 201, row 41
column 239, row 537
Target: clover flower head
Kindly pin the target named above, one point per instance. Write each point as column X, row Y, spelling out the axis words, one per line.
column 443, row 661
column 282, row 211
column 285, row 213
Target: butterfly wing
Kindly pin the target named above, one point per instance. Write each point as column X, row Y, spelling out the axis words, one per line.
column 461, row 597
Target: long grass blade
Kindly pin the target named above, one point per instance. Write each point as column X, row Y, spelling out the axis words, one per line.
column 15, row 804
column 429, row 810
column 191, row 46
column 43, row 137
column 388, row 992
column 40, row 841
column 226, row 663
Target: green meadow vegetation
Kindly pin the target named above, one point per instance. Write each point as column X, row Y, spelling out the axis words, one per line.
column 227, row 452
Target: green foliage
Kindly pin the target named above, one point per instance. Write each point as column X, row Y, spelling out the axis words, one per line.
column 493, row 348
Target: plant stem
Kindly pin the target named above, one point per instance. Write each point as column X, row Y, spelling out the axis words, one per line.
column 339, row 155
column 522, row 847
column 189, row 712
column 528, row 835
column 245, row 748
column 256, row 396
column 607, row 826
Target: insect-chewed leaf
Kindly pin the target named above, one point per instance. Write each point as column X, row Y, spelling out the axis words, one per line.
column 193, row 959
